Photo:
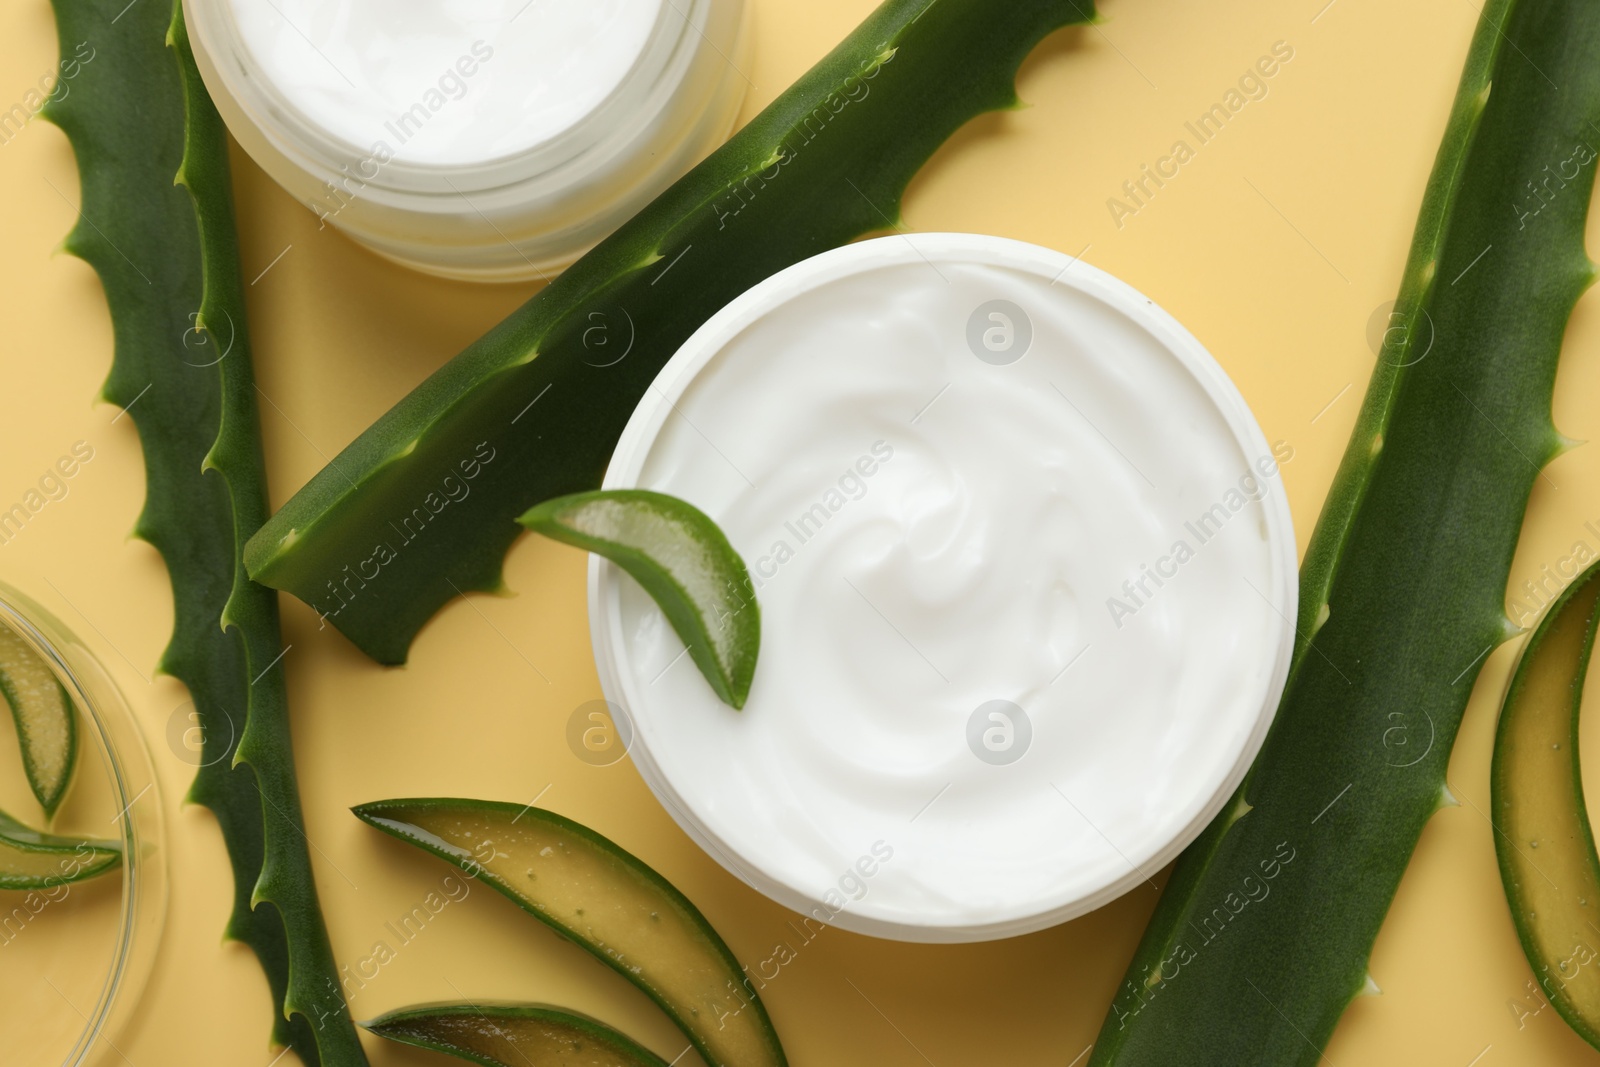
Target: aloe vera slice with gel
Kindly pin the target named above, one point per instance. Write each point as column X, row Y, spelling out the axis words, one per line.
column 513, row 1035
column 607, row 900
column 47, row 726
column 1545, row 844
column 31, row 859
column 684, row 562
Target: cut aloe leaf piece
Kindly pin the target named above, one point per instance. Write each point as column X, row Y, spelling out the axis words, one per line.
column 1545, row 845
column 47, row 727
column 604, row 898
column 823, row 164
column 513, row 1035
column 684, row 562
column 31, row 859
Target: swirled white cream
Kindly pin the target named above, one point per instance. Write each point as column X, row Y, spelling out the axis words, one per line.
column 457, row 82
column 963, row 489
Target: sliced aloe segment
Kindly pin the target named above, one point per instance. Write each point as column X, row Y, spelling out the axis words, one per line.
column 1545, row 845
column 31, row 859
column 46, row 726
column 513, row 1035
column 606, row 900
column 823, row 164
column 684, row 562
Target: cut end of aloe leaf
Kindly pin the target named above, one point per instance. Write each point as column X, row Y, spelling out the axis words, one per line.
column 46, row 723
column 513, row 1035
column 683, row 560
column 608, row 901
column 931, row 67
column 32, row 859
column 1546, row 847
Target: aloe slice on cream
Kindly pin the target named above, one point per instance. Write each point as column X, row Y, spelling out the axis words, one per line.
column 677, row 553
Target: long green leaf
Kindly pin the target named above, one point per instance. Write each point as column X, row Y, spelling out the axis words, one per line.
column 166, row 255
column 285, row 884
column 1263, row 934
column 422, row 506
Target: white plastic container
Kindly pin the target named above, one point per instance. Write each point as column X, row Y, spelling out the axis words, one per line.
column 993, row 692
column 493, row 140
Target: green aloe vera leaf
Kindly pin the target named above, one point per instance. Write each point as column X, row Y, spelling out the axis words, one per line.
column 607, row 900
column 683, row 560
column 1544, row 842
column 513, row 1035
column 156, row 226
column 31, row 859
column 386, row 534
column 285, row 883
column 47, row 723
column 1264, row 931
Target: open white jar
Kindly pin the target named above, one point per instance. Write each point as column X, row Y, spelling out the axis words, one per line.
column 993, row 692
column 478, row 139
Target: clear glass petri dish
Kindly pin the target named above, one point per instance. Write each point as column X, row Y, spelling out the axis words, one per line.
column 515, row 183
column 74, row 957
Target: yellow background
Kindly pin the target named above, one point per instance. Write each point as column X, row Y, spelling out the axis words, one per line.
column 1275, row 246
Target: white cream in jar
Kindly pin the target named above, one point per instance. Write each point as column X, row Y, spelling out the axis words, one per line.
column 492, row 139
column 1025, row 570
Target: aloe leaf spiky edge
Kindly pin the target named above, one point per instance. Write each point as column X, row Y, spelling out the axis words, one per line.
column 371, row 542
column 285, row 882
column 138, row 119
column 737, row 616
column 1263, row 934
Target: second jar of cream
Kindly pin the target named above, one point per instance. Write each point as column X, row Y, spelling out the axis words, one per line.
column 480, row 139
